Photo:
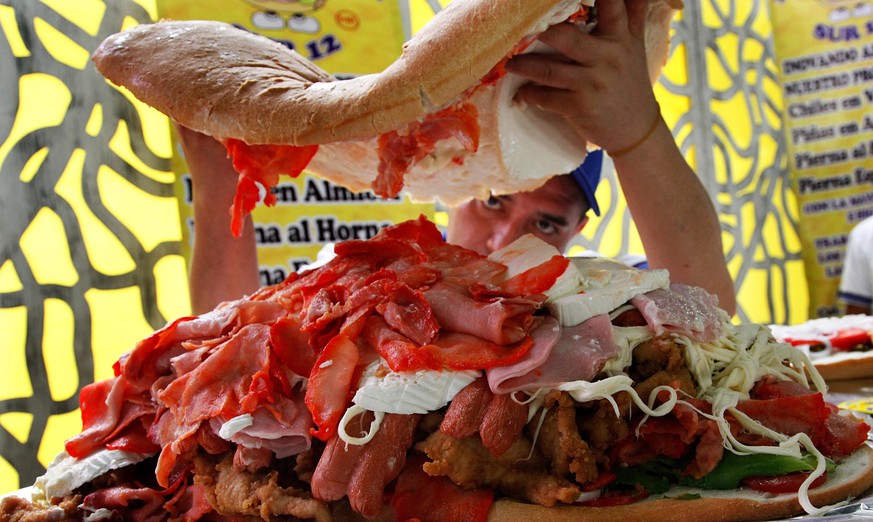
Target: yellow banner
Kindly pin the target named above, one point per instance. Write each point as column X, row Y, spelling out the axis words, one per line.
column 346, row 38
column 825, row 54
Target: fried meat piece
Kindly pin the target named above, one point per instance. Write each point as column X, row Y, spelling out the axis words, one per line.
column 17, row 509
column 252, row 459
column 660, row 361
column 519, row 472
column 599, row 425
column 244, row 495
column 560, row 441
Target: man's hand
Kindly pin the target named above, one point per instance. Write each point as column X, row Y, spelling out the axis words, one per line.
column 599, row 82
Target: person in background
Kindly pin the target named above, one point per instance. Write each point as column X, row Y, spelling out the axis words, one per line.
column 856, row 284
column 600, row 84
column 222, row 267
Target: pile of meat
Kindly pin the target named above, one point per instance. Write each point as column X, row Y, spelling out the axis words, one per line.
column 238, row 410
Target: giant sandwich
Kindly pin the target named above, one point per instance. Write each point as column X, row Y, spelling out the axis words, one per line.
column 840, row 347
column 412, row 379
column 438, row 123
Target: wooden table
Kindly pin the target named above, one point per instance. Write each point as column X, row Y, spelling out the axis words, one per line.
column 847, row 390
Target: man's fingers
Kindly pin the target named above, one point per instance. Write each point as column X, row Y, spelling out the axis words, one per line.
column 636, row 17
column 568, row 40
column 611, row 16
column 545, row 69
column 549, row 99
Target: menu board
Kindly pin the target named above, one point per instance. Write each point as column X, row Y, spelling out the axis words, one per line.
column 824, row 49
column 345, row 38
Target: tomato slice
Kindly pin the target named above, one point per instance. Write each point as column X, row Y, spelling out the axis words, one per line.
column 789, row 483
column 604, row 478
column 848, row 339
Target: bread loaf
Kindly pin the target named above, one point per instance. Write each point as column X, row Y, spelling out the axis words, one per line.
column 230, row 83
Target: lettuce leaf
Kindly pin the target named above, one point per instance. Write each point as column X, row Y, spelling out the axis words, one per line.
column 660, row 473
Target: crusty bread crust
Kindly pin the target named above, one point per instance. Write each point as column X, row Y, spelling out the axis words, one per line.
column 845, row 365
column 658, row 18
column 852, row 478
column 219, row 80
column 226, row 82
column 229, row 83
column 212, row 77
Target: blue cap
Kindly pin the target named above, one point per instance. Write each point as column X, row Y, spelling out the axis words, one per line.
column 587, row 176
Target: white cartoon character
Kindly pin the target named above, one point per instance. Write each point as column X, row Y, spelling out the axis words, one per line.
column 271, row 15
column 842, row 10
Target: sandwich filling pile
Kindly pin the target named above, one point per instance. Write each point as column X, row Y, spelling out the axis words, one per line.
column 410, row 378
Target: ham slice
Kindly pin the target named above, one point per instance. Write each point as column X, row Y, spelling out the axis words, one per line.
column 137, row 504
column 285, row 435
column 108, row 408
column 687, row 310
column 501, row 320
column 576, row 353
column 234, row 380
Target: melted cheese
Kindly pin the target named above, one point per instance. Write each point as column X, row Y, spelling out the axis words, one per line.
column 606, row 285
column 406, row 392
column 383, row 391
column 67, row 473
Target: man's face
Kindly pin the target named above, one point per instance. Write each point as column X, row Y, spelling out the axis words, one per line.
column 552, row 213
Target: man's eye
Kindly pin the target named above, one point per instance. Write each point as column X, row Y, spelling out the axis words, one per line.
column 546, row 227
column 491, row 202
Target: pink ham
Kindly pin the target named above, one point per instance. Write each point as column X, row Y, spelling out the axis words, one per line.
column 500, row 320
column 687, row 310
column 559, row 355
column 136, row 504
column 283, row 429
column 232, row 381
column 108, row 407
column 463, row 267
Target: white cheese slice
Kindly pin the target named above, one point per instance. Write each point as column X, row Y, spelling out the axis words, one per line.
column 606, row 285
column 67, row 473
column 409, row 392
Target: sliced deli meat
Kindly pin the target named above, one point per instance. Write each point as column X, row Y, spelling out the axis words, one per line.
column 334, row 393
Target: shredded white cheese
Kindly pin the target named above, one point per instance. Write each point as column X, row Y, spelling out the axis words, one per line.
column 350, row 414
column 235, row 425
